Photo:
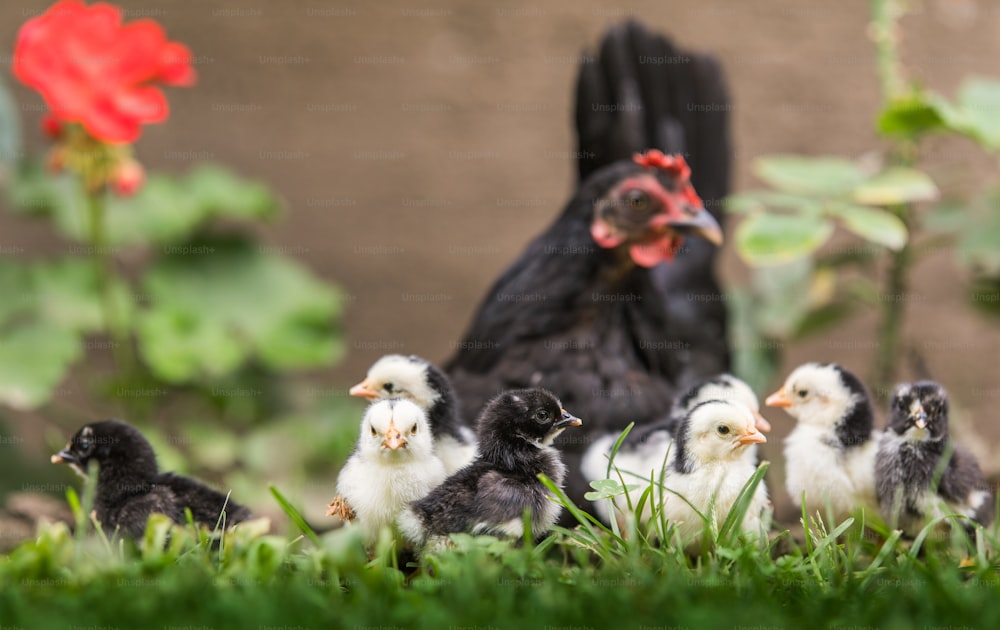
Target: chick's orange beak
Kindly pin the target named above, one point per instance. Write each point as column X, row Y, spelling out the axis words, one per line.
column 393, row 438
column 363, row 390
column 778, row 399
column 751, row 436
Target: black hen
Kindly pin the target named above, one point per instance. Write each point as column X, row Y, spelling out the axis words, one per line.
column 130, row 486
column 612, row 308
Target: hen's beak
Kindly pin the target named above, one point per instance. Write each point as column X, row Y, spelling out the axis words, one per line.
column 393, row 438
column 701, row 223
column 761, row 422
column 64, row 456
column 751, row 436
column 567, row 420
column 364, row 390
column 778, row 399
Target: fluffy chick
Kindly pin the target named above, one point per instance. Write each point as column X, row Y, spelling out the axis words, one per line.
column 830, row 454
column 419, row 381
column 394, row 463
column 710, row 469
column 489, row 496
column 130, row 486
column 912, row 487
column 648, row 450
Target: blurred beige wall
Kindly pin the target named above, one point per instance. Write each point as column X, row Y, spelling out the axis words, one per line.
column 419, row 145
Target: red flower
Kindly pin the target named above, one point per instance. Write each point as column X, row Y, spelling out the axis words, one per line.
column 93, row 70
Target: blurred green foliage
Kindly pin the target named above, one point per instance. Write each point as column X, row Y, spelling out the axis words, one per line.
column 205, row 322
column 798, row 287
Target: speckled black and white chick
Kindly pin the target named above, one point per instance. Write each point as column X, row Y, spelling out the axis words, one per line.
column 130, row 486
column 489, row 496
column 420, row 381
column 394, row 463
column 907, row 470
column 830, row 454
column 710, row 469
column 649, row 449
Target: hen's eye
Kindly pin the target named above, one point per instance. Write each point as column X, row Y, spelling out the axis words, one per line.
column 541, row 415
column 722, row 429
column 637, row 199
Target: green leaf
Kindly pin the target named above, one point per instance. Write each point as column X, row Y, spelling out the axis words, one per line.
column 33, row 361
column 873, row 224
column 770, row 239
column 758, row 200
column 166, row 210
column 895, row 186
column 819, row 176
column 979, row 103
column 608, row 489
column 911, row 116
column 217, row 304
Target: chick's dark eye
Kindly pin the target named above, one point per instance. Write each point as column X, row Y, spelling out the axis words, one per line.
column 389, row 387
column 374, row 432
column 722, row 429
column 802, row 393
column 637, row 199
column 542, row 415
column 85, row 446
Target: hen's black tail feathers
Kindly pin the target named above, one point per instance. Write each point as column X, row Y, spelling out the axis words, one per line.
column 642, row 92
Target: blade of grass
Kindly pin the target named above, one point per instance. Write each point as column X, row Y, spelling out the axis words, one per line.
column 294, row 515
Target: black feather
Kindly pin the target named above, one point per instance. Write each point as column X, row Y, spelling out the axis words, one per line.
column 616, row 341
column 502, row 482
column 130, row 487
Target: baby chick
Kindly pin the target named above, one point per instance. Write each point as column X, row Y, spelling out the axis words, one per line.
column 419, row 381
column 394, row 463
column 130, row 486
column 648, row 450
column 489, row 496
column 830, row 454
column 710, row 470
column 912, row 487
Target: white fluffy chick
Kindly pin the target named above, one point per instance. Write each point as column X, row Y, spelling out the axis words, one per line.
column 710, row 469
column 830, row 454
column 420, row 381
column 649, row 449
column 394, row 463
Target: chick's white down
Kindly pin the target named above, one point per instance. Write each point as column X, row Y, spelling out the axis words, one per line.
column 394, row 463
column 639, row 463
column 407, row 379
column 817, row 464
column 717, row 434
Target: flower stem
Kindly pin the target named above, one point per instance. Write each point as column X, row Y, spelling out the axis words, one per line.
column 121, row 347
column 884, row 31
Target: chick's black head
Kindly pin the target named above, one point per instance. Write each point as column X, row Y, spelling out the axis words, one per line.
column 109, row 443
column 921, row 407
column 533, row 415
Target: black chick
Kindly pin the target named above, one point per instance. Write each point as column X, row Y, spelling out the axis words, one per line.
column 490, row 495
column 130, row 487
column 909, row 460
column 615, row 305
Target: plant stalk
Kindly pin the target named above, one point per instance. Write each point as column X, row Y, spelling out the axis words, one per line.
column 121, row 348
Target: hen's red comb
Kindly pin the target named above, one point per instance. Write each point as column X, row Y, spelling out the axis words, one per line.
column 673, row 164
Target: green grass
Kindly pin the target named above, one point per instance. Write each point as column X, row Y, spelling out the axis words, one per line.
column 855, row 574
